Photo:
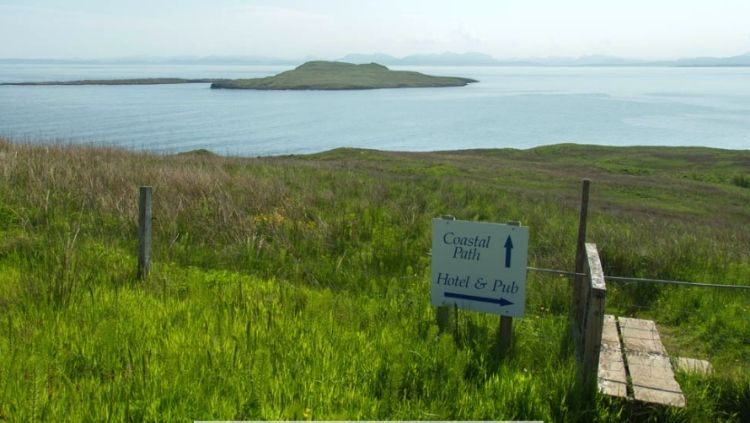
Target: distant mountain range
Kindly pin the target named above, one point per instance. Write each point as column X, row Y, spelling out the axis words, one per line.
column 444, row 59
column 480, row 59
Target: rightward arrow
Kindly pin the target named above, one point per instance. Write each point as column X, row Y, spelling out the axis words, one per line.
column 502, row 302
column 508, row 249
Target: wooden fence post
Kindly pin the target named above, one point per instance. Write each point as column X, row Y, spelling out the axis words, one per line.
column 144, row 232
column 443, row 318
column 577, row 299
column 444, row 312
column 593, row 319
column 505, row 330
column 505, row 334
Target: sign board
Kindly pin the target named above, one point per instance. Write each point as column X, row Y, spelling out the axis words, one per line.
column 479, row 266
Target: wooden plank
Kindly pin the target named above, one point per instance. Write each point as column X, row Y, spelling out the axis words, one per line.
column 594, row 268
column 593, row 318
column 650, row 368
column 636, row 324
column 692, row 365
column 611, row 377
column 653, row 379
column 610, row 337
column 641, row 335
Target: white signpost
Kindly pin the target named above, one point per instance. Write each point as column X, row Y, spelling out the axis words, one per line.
column 479, row 266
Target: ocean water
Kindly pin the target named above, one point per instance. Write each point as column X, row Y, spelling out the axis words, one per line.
column 518, row 107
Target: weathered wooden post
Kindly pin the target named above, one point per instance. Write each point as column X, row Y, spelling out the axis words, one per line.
column 444, row 312
column 144, row 232
column 443, row 318
column 593, row 322
column 577, row 299
column 505, row 333
column 505, row 329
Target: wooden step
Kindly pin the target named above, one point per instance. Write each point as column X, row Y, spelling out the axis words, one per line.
column 692, row 365
column 645, row 361
column 648, row 363
column 612, row 378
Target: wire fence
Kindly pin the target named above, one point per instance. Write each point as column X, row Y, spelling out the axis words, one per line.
column 638, row 298
column 646, row 280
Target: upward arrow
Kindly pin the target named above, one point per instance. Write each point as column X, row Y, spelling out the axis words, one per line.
column 508, row 249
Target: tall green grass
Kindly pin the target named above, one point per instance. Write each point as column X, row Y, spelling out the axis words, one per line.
column 297, row 287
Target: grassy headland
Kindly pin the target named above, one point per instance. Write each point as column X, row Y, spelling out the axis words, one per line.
column 298, row 287
column 320, row 75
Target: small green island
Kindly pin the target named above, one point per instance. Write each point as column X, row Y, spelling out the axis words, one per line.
column 322, row 75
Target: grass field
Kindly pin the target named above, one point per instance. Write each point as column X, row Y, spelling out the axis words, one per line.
column 298, row 287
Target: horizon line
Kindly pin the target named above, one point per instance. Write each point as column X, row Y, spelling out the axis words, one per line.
column 192, row 57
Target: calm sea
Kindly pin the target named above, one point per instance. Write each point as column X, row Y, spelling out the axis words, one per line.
column 515, row 107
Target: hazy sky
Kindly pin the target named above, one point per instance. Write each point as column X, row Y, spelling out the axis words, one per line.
column 647, row 29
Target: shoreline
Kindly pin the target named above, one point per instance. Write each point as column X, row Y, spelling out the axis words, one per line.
column 129, row 81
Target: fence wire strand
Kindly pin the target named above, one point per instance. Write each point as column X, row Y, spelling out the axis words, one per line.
column 631, row 279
